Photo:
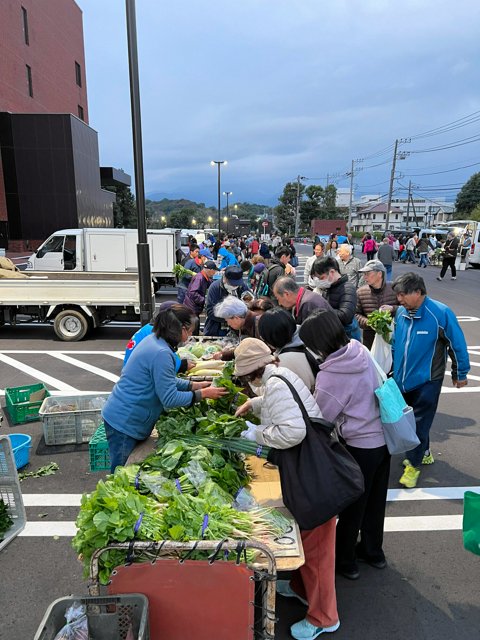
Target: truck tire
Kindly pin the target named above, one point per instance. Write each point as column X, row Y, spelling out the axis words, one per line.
column 71, row 325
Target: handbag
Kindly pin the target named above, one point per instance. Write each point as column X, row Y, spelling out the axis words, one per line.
column 398, row 419
column 318, row 476
column 471, row 522
column 294, row 261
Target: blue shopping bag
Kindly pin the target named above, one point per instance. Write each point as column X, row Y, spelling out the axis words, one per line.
column 398, row 419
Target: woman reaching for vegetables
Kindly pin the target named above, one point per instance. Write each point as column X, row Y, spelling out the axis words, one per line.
column 148, row 386
column 282, row 426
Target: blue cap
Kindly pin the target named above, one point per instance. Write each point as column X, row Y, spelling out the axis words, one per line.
column 234, row 276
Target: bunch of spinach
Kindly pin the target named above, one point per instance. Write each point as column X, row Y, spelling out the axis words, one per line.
column 5, row 519
column 381, row 323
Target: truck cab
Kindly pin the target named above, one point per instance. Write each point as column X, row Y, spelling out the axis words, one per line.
column 60, row 252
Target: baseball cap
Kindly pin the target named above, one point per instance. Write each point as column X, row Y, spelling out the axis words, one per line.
column 210, row 264
column 206, row 253
column 373, row 265
column 226, row 243
column 259, row 267
column 234, row 276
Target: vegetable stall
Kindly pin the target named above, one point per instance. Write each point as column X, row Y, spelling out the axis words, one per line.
column 192, row 515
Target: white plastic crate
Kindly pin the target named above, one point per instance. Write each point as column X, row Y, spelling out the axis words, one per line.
column 71, row 419
column 10, row 491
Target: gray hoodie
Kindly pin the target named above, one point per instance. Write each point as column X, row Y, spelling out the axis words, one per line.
column 297, row 361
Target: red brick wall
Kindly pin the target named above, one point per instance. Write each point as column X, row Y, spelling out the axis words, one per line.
column 55, row 30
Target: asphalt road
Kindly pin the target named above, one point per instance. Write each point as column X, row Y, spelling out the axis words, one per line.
column 430, row 587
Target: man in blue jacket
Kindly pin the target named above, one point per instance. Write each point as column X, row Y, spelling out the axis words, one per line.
column 425, row 332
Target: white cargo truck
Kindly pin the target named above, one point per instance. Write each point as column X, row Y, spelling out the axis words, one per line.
column 107, row 250
column 73, row 302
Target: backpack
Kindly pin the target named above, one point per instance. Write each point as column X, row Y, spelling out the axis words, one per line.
column 312, row 361
column 263, row 286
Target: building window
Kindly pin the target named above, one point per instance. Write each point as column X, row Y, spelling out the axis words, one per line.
column 78, row 74
column 29, row 80
column 25, row 25
column 374, row 216
column 80, row 112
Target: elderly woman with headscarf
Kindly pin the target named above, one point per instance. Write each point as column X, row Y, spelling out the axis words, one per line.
column 282, row 426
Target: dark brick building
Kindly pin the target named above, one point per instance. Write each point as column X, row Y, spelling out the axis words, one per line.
column 49, row 165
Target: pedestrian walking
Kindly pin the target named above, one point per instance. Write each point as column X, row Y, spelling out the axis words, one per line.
column 386, row 255
column 450, row 249
column 425, row 332
column 422, row 250
column 369, row 247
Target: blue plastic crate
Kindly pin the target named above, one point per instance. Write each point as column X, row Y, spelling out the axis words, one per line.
column 21, row 445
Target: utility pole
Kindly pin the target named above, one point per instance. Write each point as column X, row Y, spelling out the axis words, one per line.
column 408, row 201
column 390, row 191
column 350, row 203
column 297, row 215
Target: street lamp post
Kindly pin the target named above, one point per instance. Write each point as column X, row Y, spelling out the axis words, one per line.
column 143, row 252
column 227, row 194
column 218, row 163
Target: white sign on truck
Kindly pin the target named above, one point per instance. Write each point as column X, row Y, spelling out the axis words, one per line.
column 107, row 250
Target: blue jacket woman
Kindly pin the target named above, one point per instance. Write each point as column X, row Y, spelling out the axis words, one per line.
column 148, row 385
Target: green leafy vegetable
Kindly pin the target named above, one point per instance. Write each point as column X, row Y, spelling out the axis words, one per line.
column 381, row 323
column 5, row 519
column 48, row 470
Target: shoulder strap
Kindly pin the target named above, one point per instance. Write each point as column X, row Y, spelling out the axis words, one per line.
column 382, row 376
column 310, row 359
column 308, row 420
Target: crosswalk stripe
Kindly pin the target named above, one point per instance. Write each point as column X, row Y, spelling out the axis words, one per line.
column 35, row 373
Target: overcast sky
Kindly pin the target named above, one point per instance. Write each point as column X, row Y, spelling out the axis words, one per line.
column 280, row 88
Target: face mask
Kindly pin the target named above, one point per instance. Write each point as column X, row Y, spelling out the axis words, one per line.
column 230, row 288
column 322, row 284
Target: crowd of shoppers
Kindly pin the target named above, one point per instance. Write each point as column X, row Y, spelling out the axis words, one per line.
column 314, row 337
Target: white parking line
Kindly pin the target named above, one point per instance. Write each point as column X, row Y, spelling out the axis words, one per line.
column 83, row 365
column 394, row 495
column 392, row 525
column 35, row 373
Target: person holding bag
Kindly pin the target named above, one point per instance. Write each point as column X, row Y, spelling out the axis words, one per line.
column 345, row 392
column 283, row 427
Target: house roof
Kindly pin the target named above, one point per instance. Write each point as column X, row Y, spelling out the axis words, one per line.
column 381, row 207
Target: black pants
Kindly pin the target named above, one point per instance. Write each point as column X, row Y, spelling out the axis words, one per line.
column 367, row 514
column 448, row 262
column 371, row 255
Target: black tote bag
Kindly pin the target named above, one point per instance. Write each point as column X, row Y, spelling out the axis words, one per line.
column 319, row 477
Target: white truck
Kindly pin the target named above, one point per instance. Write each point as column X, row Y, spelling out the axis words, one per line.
column 108, row 250
column 71, row 301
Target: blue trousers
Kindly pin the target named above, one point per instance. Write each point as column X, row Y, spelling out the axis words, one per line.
column 424, row 402
column 388, row 269
column 120, row 446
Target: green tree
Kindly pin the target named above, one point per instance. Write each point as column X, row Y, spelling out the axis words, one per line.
column 285, row 212
column 124, row 207
column 475, row 214
column 180, row 219
column 320, row 203
column 469, row 195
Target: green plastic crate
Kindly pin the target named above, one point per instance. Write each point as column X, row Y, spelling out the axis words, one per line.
column 19, row 406
column 98, row 449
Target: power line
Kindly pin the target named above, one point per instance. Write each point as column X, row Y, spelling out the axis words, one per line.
column 436, row 173
column 450, row 126
column 451, row 145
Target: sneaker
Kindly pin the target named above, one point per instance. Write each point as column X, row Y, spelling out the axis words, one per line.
column 428, row 458
column 454, row 277
column 284, row 589
column 439, row 279
column 349, row 571
column 410, row 477
column 305, row 630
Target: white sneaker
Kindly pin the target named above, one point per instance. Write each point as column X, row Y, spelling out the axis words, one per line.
column 308, row 631
column 284, row 589
column 454, row 277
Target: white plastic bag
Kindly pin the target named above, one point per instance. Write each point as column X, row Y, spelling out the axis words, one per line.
column 382, row 352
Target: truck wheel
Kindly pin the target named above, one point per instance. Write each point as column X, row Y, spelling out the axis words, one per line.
column 71, row 326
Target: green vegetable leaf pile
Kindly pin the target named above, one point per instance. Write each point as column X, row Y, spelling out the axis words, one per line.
column 381, row 323
column 5, row 519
